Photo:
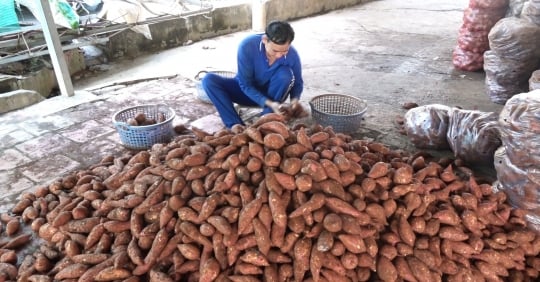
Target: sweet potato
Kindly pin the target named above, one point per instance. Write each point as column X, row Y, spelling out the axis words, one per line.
column 274, row 127
column 313, row 169
column 319, row 137
column 287, row 181
column 333, row 222
column 331, row 169
column 262, row 236
column 340, row 206
column 71, row 271
column 419, row 269
column 301, row 254
column 447, row 216
column 274, row 141
column 405, row 231
column 325, row 241
column 353, row 243
column 247, row 213
column 303, row 182
column 192, row 232
column 210, row 269
column 379, row 169
column 112, row 273
column 316, row 201
column 254, row 257
column 386, row 270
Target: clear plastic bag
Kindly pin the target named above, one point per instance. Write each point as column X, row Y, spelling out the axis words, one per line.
column 426, row 126
column 516, row 39
column 506, row 77
column 473, row 136
column 531, row 12
column 515, row 7
column 519, row 125
column 522, row 186
column 534, row 80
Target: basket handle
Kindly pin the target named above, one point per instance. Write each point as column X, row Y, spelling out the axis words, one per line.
column 198, row 75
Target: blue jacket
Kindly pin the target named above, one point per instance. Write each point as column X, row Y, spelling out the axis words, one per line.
column 254, row 73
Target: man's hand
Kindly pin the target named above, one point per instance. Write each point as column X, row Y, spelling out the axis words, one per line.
column 273, row 105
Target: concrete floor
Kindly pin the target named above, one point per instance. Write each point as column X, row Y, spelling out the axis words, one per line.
column 386, row 52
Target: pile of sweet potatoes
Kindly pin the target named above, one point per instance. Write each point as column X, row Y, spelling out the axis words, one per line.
column 273, row 203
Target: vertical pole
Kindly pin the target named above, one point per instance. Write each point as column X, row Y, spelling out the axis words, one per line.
column 55, row 49
column 258, row 15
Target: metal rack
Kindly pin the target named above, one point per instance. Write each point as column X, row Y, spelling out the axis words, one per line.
column 29, row 41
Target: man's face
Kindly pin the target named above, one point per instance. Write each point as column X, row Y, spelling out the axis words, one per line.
column 276, row 51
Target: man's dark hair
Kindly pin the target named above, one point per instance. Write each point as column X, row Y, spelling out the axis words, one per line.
column 279, row 32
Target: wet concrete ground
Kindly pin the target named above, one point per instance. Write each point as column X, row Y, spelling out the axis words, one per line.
column 386, row 52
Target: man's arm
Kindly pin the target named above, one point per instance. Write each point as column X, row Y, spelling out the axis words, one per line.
column 246, row 72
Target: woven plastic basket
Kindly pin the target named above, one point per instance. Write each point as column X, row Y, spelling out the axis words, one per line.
column 143, row 137
column 201, row 94
column 342, row 112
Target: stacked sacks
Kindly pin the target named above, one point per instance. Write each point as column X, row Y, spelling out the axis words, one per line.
column 513, row 56
column 518, row 161
column 471, row 135
column 478, row 19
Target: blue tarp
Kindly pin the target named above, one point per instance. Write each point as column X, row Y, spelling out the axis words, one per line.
column 8, row 17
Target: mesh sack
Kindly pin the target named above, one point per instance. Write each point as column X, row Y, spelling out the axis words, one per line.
column 488, row 4
column 479, row 19
column 467, row 60
column 473, row 135
column 473, row 41
column 426, row 126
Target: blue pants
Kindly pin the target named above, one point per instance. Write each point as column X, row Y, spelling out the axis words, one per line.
column 224, row 92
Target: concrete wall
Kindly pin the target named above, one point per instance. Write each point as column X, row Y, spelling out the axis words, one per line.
column 294, row 9
column 222, row 20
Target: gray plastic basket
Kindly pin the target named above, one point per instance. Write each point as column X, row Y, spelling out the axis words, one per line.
column 201, row 94
column 342, row 112
column 143, row 137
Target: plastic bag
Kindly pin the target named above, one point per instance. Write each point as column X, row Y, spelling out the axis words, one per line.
column 515, row 38
column 506, row 77
column 515, row 7
column 519, row 125
column 531, row 12
column 514, row 55
column 426, row 126
column 63, row 14
column 473, row 136
column 534, row 80
column 521, row 186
